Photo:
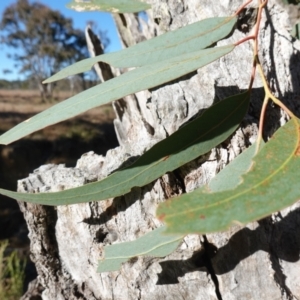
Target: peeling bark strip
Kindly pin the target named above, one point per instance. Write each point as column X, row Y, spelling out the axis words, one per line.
column 260, row 261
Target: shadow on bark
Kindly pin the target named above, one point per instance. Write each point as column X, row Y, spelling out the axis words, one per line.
column 243, row 244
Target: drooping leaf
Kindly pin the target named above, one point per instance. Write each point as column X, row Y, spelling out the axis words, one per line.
column 271, row 185
column 190, row 141
column 116, row 88
column 112, row 6
column 154, row 243
column 166, row 244
column 187, row 39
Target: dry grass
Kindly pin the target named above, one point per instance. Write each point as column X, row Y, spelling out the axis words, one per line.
column 12, row 273
column 19, row 105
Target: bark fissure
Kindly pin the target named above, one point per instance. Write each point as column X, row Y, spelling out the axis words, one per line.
column 209, row 252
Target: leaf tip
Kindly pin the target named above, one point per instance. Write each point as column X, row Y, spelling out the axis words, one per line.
column 3, row 143
column 46, row 81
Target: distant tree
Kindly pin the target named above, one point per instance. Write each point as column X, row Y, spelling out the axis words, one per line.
column 46, row 38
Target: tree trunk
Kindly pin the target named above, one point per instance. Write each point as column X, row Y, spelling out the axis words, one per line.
column 46, row 90
column 258, row 261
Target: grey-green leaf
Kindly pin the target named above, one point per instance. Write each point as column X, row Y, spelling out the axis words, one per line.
column 112, row 6
column 154, row 243
column 270, row 185
column 131, row 82
column 228, row 178
column 190, row 141
column 187, row 39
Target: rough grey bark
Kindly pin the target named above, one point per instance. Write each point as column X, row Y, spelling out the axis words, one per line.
column 258, row 261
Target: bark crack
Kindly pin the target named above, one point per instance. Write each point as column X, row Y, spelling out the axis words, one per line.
column 209, row 252
column 185, row 100
column 279, row 276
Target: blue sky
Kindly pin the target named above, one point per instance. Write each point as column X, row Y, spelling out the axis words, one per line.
column 104, row 22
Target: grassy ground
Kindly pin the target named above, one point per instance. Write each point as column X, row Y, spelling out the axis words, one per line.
column 90, row 127
column 61, row 143
column 12, row 273
column 18, row 105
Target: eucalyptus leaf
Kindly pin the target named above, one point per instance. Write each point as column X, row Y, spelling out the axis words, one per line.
column 270, row 185
column 157, row 243
column 187, row 39
column 131, row 82
column 154, row 243
column 190, row 141
column 112, row 6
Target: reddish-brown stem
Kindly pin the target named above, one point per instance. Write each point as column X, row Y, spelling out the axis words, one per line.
column 261, row 122
column 247, row 38
column 252, row 74
column 268, row 96
column 242, row 7
column 262, row 4
column 256, row 64
column 256, row 31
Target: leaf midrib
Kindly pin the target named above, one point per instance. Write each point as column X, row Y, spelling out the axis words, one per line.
column 144, row 252
column 208, row 206
column 144, row 169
